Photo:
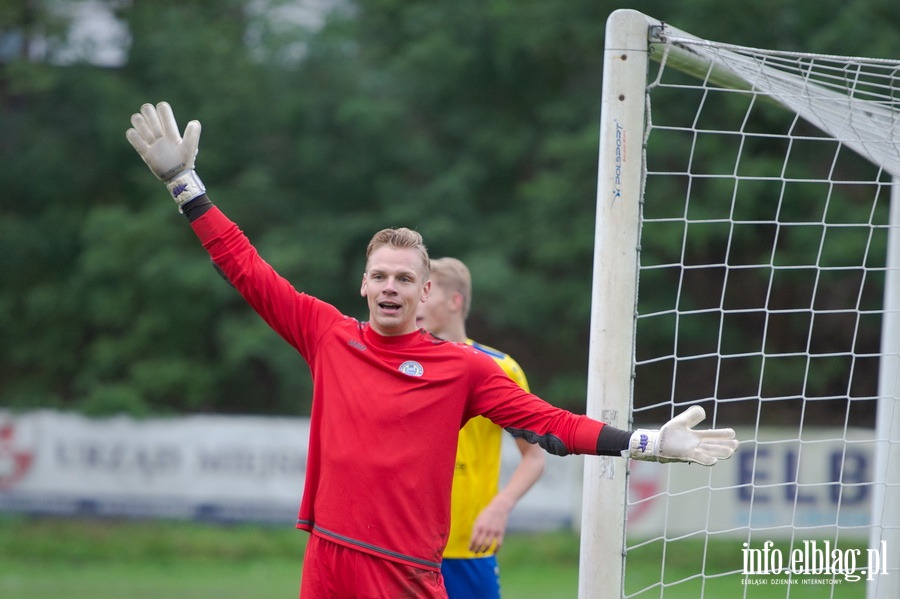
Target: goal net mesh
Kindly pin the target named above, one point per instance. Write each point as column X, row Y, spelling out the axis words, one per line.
column 761, row 282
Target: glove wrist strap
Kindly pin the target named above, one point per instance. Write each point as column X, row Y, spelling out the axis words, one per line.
column 184, row 187
column 642, row 445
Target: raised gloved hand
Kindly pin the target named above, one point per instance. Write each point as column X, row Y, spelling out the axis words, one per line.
column 170, row 157
column 676, row 441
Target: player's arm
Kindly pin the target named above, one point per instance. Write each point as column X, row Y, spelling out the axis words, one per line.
column 171, row 158
column 490, row 525
column 560, row 432
column 676, row 441
column 156, row 138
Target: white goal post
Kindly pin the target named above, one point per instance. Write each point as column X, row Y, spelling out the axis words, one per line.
column 747, row 259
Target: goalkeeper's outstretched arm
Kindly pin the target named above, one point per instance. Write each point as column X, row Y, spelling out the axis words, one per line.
column 675, row 441
column 171, row 157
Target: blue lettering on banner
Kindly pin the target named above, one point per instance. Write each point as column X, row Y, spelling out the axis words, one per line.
column 852, row 469
column 245, row 462
column 761, row 476
column 123, row 459
column 118, row 457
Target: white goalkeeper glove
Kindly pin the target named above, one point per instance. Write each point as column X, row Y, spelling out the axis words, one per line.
column 677, row 442
column 156, row 138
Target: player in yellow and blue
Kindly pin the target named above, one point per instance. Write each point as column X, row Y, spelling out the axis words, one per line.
column 479, row 509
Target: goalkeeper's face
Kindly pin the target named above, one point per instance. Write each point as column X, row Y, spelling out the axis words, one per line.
column 394, row 285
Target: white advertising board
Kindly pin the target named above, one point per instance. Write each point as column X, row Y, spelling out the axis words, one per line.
column 215, row 467
column 244, row 468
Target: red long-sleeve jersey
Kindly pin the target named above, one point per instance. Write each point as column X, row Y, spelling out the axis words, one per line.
column 386, row 412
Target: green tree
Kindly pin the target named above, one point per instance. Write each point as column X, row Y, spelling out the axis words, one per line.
column 474, row 122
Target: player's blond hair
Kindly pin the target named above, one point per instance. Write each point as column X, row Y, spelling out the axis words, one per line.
column 401, row 238
column 451, row 274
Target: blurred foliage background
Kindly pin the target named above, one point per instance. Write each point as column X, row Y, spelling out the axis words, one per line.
column 475, row 122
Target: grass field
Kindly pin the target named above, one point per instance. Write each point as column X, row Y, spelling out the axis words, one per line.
column 105, row 559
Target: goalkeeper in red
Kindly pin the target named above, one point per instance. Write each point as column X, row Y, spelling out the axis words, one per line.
column 388, row 398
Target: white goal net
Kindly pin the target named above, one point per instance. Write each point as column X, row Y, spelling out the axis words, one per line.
column 747, row 260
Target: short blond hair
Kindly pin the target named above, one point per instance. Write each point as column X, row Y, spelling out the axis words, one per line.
column 401, row 238
column 453, row 275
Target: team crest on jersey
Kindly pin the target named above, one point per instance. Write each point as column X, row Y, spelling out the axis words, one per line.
column 412, row 368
